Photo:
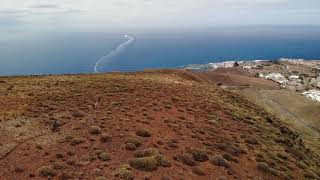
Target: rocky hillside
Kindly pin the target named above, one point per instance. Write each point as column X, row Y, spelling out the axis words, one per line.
column 148, row 125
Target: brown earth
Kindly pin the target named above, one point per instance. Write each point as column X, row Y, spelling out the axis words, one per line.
column 107, row 123
column 293, row 109
column 299, row 112
column 236, row 79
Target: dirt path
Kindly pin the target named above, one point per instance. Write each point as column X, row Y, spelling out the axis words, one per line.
column 20, row 144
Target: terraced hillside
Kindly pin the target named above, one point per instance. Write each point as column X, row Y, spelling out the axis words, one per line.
column 146, row 125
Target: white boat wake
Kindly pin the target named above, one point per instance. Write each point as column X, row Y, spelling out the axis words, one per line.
column 114, row 53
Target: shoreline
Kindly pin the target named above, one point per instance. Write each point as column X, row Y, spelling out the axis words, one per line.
column 194, row 67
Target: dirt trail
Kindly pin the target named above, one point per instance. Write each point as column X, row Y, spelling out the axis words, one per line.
column 20, row 144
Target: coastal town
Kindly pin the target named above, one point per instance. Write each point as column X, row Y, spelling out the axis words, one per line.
column 297, row 75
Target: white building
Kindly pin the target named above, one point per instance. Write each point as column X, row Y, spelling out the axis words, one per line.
column 313, row 95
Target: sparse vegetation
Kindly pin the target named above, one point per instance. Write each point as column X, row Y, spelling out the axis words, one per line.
column 124, row 172
column 207, row 131
column 77, row 114
column 149, row 160
column 18, row 169
column 173, row 144
column 251, row 140
column 264, row 167
column 144, row 163
column 229, row 157
column 130, row 146
column 219, row 161
column 134, row 141
column 46, row 171
column 38, row 146
column 231, row 149
column 95, row 130
column 301, row 165
column 198, row 155
column 198, row 171
column 162, row 161
column 76, row 141
column 104, row 156
column 282, row 155
column 147, row 152
column 58, row 165
column 143, row 133
column 186, row 159
column 59, row 155
column 310, row 174
column 89, row 158
column 105, row 137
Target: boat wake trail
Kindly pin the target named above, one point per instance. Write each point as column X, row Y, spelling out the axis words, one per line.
column 114, row 53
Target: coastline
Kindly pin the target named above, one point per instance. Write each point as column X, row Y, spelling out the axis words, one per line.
column 230, row 63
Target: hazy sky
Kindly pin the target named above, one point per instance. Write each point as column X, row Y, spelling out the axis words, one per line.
column 120, row 14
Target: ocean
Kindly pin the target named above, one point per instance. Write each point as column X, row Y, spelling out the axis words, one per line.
column 24, row 53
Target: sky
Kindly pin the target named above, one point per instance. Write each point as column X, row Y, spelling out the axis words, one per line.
column 100, row 15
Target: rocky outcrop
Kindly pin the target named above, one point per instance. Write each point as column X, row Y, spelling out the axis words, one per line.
column 277, row 77
column 315, row 82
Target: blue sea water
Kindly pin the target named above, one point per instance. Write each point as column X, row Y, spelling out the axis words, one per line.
column 64, row 53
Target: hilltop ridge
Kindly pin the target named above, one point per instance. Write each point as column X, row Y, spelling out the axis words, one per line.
column 155, row 124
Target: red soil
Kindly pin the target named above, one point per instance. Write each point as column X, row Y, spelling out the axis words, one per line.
column 178, row 108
